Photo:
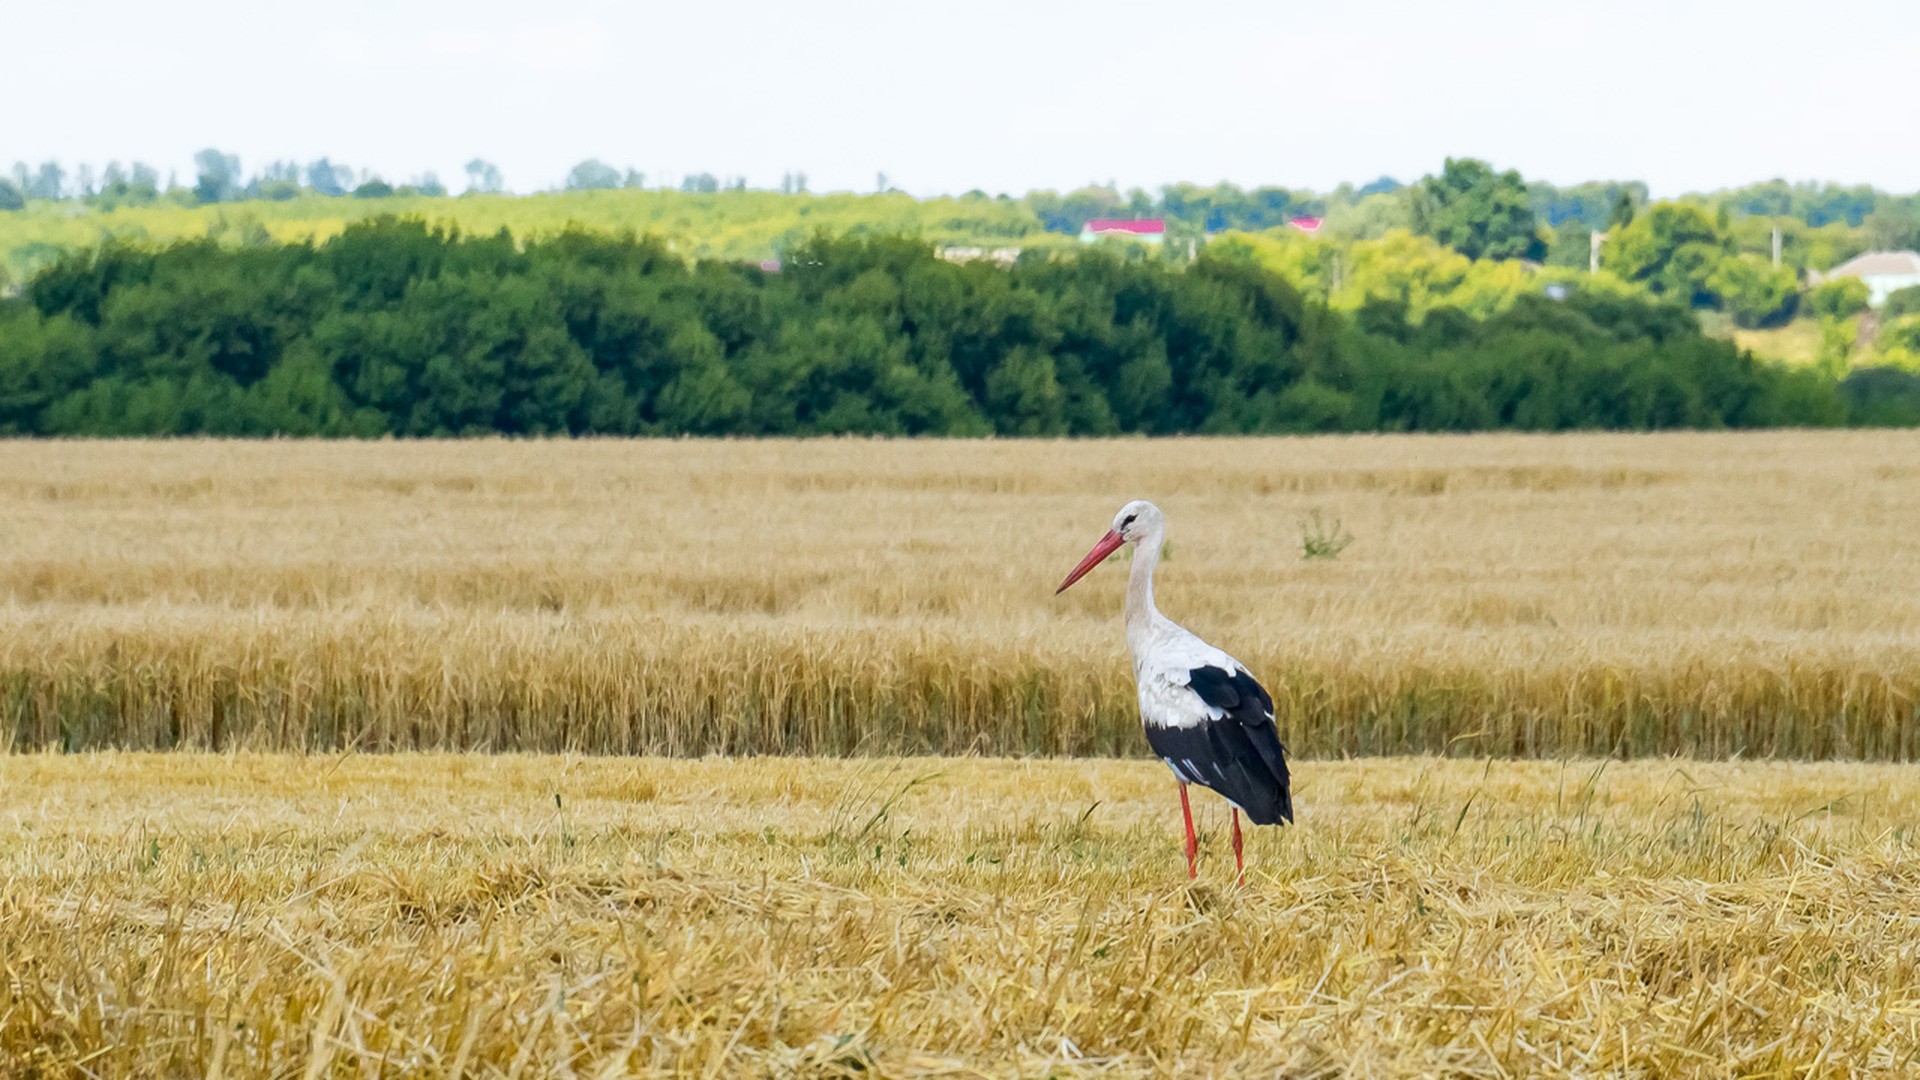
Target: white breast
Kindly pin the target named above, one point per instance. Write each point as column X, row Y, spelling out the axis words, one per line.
column 1161, row 663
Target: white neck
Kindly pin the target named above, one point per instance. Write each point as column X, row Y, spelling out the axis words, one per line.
column 1141, row 614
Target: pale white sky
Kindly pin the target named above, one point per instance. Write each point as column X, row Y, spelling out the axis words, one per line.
column 1003, row 95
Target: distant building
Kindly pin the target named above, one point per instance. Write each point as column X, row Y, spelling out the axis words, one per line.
column 1883, row 271
column 1005, row 256
column 1147, row 230
column 1308, row 225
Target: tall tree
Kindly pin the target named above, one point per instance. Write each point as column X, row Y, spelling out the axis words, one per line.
column 1892, row 230
column 1384, row 185
column 1751, row 290
column 50, row 182
column 1672, row 249
column 219, row 176
column 593, row 175
column 428, row 184
column 1478, row 212
column 483, row 177
column 326, row 178
column 278, row 181
column 1623, row 210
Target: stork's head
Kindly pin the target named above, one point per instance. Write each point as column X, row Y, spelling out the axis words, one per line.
column 1135, row 521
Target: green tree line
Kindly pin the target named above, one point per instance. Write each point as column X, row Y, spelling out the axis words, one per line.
column 1712, row 250
column 399, row 327
column 1827, row 216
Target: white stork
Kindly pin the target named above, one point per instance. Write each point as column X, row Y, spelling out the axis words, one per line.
column 1205, row 715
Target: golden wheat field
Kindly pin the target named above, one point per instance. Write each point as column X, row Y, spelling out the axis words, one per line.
column 542, row 915
column 1710, row 594
column 298, row 905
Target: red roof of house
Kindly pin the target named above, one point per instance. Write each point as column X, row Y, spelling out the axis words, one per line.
column 1148, row 225
column 1305, row 224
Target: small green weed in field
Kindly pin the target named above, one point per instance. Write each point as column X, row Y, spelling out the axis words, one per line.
column 1321, row 539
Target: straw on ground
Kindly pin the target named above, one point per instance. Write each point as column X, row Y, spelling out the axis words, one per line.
column 498, row 915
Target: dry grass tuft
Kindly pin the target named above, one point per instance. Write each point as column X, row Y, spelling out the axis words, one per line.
column 1715, row 595
column 243, row 915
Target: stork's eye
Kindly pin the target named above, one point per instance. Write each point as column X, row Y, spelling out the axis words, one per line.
column 1128, row 523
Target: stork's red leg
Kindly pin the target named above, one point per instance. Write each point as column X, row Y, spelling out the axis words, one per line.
column 1239, row 860
column 1193, row 842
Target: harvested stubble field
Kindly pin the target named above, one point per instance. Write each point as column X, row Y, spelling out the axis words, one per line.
column 244, row 915
column 1709, row 594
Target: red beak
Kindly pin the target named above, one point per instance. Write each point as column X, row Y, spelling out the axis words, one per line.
column 1108, row 545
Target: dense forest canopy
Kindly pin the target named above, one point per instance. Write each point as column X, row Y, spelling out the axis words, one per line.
column 396, row 326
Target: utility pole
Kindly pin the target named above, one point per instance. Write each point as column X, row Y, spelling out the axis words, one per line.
column 1776, row 247
column 1594, row 238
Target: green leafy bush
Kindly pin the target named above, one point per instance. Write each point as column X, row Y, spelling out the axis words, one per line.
column 1838, row 298
column 1901, row 302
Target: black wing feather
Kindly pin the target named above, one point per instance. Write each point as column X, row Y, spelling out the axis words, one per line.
column 1240, row 755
